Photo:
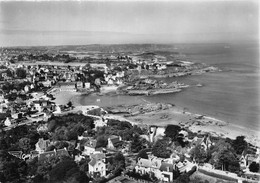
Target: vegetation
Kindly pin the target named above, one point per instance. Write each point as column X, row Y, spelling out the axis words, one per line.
column 143, row 154
column 172, row 131
column 199, row 154
column 116, row 164
column 68, row 127
column 254, row 167
column 20, row 138
column 12, row 169
column 160, row 148
column 21, row 73
column 239, row 144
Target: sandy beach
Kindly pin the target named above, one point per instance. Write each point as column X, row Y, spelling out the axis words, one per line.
column 63, row 97
column 174, row 115
column 197, row 123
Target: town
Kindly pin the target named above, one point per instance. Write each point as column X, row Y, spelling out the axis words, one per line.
column 43, row 141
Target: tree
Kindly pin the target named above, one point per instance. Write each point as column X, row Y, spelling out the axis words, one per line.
column 142, row 154
column 227, row 160
column 199, row 154
column 21, row 73
column 12, row 169
column 25, row 144
column 83, row 164
column 172, row 131
column 160, row 148
column 239, row 144
column 254, row 167
column 117, row 164
column 101, row 141
column 61, row 169
column 136, row 144
column 183, row 179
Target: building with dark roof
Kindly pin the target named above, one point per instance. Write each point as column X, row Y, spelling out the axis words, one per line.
column 114, row 142
column 97, row 166
column 55, row 153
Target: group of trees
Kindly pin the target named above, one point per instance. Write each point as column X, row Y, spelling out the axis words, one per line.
column 160, row 148
column 120, row 128
column 21, row 138
column 21, row 73
column 12, row 169
column 55, row 169
column 7, row 86
column 70, row 126
column 116, row 164
column 125, row 130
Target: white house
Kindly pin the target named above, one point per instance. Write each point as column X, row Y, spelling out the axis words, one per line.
column 87, row 85
column 8, row 122
column 89, row 147
column 42, row 145
column 120, row 74
column 166, row 172
column 27, row 88
column 47, row 83
column 57, row 109
column 97, row 166
column 161, row 170
column 110, row 81
column 100, row 122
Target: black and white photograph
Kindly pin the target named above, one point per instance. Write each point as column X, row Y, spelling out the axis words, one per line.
column 129, row 91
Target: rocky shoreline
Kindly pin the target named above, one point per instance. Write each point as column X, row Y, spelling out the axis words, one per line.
column 150, row 87
column 179, row 74
column 133, row 110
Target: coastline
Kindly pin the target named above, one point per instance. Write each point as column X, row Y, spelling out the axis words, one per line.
column 63, row 97
column 195, row 123
column 174, row 115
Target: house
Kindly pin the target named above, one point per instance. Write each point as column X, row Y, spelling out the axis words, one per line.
column 166, row 172
column 57, row 109
column 100, row 122
column 110, row 81
column 114, row 142
column 55, row 153
column 157, row 166
column 150, row 165
column 87, row 85
column 184, row 166
column 67, row 86
column 120, row 74
column 42, row 145
column 8, row 122
column 42, row 128
column 119, row 81
column 97, row 166
column 27, row 88
column 205, row 142
column 89, row 146
column 47, row 83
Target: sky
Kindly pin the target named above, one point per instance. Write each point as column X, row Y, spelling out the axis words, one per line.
column 116, row 22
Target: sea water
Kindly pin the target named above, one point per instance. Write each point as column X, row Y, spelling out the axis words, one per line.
column 231, row 95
